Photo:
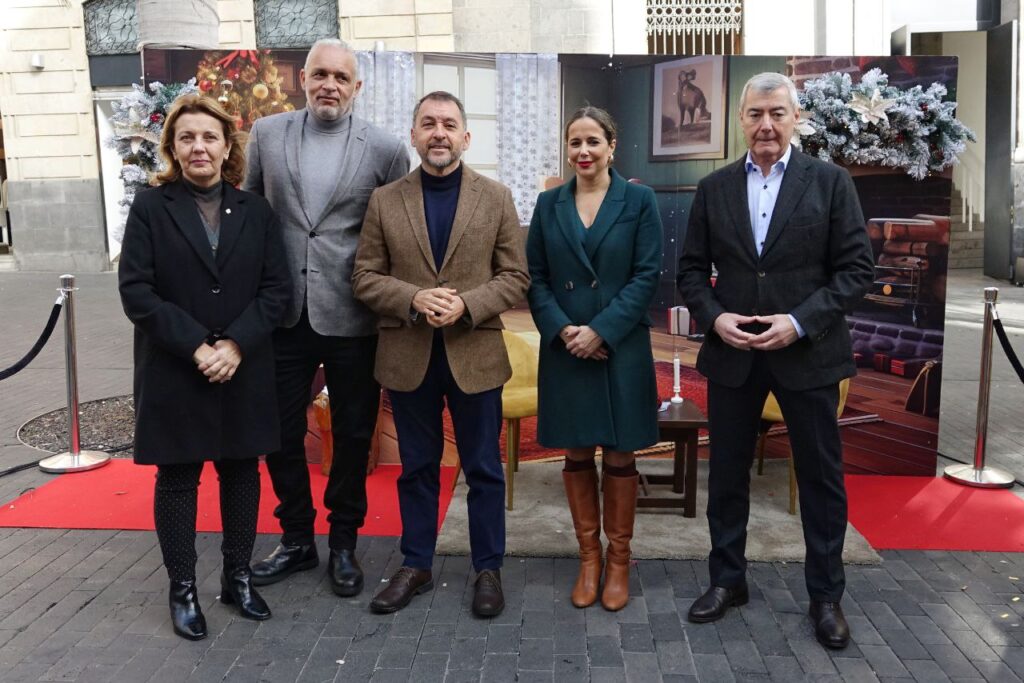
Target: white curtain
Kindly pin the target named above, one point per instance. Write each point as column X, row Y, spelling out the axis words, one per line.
column 389, row 92
column 528, row 125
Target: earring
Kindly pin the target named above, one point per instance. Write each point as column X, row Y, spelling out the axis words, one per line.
column 611, row 159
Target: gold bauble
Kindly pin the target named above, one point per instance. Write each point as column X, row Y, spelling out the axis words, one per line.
column 260, row 91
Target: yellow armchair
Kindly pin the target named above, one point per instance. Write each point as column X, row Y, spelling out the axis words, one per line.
column 772, row 414
column 518, row 400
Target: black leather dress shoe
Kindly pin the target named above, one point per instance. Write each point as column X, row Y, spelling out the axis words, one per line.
column 830, row 627
column 488, row 598
column 284, row 561
column 186, row 616
column 406, row 583
column 344, row 572
column 715, row 602
column 236, row 589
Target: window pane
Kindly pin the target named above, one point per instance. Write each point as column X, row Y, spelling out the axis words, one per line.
column 441, row 77
column 480, row 97
column 488, row 172
column 294, row 23
column 483, row 148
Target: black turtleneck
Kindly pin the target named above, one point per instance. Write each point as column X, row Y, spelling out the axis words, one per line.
column 440, row 199
column 208, row 201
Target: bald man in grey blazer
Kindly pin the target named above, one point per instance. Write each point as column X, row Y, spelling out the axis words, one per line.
column 318, row 167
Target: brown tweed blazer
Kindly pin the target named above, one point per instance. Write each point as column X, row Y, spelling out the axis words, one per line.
column 485, row 262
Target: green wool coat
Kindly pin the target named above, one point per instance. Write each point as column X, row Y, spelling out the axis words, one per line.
column 607, row 282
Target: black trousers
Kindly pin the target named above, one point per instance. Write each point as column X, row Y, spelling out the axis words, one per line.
column 174, row 511
column 733, row 417
column 477, row 422
column 355, row 396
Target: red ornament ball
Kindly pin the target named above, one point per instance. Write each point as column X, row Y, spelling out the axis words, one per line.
column 205, row 85
column 156, row 117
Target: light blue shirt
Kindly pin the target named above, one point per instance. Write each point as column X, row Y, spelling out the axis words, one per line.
column 761, row 195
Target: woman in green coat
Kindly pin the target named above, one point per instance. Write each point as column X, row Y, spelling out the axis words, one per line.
column 594, row 252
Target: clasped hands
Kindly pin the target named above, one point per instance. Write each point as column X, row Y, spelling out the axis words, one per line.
column 583, row 342
column 780, row 332
column 218, row 362
column 441, row 306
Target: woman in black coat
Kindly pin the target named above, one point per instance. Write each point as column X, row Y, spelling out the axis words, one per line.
column 203, row 278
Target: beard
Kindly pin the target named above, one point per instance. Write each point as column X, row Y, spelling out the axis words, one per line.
column 443, row 162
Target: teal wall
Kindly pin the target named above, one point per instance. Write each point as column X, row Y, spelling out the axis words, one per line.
column 630, row 104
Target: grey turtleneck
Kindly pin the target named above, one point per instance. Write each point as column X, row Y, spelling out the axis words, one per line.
column 324, row 144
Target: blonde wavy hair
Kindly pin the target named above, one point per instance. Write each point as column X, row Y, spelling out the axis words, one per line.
column 233, row 169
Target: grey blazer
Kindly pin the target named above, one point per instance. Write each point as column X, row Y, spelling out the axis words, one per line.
column 321, row 249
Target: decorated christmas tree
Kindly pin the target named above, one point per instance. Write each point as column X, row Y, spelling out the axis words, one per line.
column 873, row 123
column 246, row 82
column 138, row 122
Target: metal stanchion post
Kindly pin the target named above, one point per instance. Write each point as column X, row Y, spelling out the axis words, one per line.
column 978, row 474
column 75, row 459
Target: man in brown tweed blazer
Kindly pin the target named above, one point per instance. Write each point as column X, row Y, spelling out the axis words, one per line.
column 440, row 257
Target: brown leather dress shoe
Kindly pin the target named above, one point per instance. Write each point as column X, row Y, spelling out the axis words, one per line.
column 830, row 627
column 406, row 583
column 713, row 605
column 488, row 598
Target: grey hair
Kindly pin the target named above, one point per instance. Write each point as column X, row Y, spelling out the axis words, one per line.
column 768, row 82
column 331, row 42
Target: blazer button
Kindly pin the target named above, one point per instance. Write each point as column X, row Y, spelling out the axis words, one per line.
column 215, row 289
column 593, row 285
column 303, row 271
column 312, row 233
column 569, row 285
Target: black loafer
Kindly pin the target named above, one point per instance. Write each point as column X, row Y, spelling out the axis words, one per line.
column 236, row 589
column 830, row 627
column 488, row 598
column 715, row 602
column 283, row 562
column 186, row 615
column 400, row 590
column 344, row 572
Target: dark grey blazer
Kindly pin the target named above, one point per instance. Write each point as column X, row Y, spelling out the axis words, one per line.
column 322, row 249
column 816, row 265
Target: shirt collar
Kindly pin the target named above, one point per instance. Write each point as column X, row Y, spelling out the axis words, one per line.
column 779, row 165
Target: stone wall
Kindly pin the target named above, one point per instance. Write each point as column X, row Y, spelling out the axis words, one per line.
column 58, row 225
column 415, row 25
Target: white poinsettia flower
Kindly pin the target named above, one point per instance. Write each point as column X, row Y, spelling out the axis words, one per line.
column 871, row 109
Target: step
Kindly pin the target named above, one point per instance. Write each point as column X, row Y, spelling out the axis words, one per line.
column 7, row 263
column 956, row 262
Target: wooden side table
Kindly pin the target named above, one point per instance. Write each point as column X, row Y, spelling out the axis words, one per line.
column 678, row 423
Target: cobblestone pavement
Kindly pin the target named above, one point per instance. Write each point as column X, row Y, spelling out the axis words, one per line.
column 91, row 605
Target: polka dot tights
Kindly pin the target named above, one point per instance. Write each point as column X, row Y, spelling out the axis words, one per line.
column 174, row 511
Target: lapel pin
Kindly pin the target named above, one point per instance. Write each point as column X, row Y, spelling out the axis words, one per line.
column 227, row 210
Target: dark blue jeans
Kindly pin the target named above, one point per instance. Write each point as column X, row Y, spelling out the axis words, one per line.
column 477, row 422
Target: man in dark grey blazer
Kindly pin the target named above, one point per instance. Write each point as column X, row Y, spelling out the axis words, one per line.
column 318, row 167
column 791, row 260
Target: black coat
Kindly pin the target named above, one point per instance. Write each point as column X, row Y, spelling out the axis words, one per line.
column 177, row 296
column 816, row 265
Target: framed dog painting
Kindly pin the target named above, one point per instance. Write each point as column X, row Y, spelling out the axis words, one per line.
column 688, row 116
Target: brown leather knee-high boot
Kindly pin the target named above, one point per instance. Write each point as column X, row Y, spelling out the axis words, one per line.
column 584, row 503
column 619, row 514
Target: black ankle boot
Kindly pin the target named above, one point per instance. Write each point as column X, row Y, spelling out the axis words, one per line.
column 236, row 589
column 186, row 616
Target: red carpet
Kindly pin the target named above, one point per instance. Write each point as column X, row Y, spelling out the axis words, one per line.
column 120, row 496
column 931, row 513
column 693, row 386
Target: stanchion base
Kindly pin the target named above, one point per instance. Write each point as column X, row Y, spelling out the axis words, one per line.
column 65, row 462
column 985, row 478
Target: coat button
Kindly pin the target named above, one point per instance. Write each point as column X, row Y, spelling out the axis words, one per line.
column 215, row 289
column 760, row 273
column 569, row 285
column 593, row 285
column 312, row 233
